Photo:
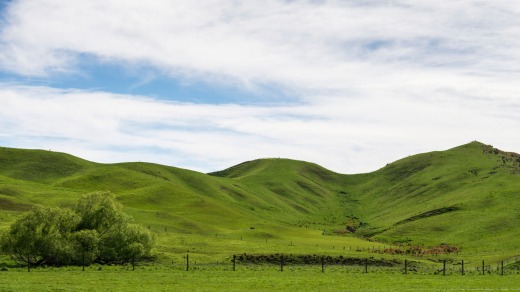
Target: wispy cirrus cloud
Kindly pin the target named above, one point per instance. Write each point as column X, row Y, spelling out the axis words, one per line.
column 302, row 45
column 345, row 79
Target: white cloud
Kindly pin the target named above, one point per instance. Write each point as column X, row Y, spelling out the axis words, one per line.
column 297, row 44
column 344, row 136
column 376, row 80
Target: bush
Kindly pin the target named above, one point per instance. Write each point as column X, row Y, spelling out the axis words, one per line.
column 97, row 230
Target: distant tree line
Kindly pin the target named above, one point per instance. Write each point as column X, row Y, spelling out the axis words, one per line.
column 96, row 230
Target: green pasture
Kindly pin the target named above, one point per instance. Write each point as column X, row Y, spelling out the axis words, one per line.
column 467, row 197
column 267, row 279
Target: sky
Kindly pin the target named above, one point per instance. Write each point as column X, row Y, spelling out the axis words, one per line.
column 351, row 85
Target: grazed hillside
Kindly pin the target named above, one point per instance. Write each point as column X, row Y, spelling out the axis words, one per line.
column 468, row 196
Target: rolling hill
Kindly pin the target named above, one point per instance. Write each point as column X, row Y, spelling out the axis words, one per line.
column 468, row 196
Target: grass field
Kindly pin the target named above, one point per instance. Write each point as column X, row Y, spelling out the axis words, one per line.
column 269, row 279
column 467, row 197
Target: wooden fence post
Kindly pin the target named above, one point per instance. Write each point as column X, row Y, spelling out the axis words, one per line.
column 483, row 267
column 322, row 264
column 234, row 262
column 366, row 265
column 187, row 262
column 444, row 267
column 502, row 268
column 405, row 266
column 463, row 267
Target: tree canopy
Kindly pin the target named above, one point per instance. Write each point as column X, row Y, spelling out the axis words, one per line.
column 96, row 230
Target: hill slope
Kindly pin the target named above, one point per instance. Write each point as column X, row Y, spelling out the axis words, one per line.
column 468, row 196
column 180, row 199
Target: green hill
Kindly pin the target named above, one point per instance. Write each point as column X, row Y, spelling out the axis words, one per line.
column 467, row 196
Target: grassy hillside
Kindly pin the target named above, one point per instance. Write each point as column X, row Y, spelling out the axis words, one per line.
column 467, row 196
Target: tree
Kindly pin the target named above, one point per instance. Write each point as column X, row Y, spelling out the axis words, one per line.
column 97, row 230
column 128, row 244
column 41, row 236
column 101, row 212
column 87, row 242
column 119, row 241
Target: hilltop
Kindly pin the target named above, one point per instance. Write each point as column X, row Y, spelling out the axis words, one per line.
column 466, row 196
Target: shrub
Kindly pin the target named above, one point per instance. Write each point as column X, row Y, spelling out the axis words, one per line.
column 97, row 230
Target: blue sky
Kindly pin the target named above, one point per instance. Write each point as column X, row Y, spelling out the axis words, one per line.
column 350, row 85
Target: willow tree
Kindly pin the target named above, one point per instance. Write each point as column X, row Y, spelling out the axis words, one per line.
column 97, row 230
column 87, row 242
column 119, row 241
column 101, row 212
column 41, row 236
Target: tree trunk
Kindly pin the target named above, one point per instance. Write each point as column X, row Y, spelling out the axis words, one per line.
column 83, row 262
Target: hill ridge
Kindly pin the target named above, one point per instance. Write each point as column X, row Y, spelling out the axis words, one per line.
column 425, row 198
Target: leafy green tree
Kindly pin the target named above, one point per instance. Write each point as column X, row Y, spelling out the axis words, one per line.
column 101, row 212
column 41, row 236
column 97, row 230
column 139, row 243
column 128, row 244
column 86, row 242
column 119, row 241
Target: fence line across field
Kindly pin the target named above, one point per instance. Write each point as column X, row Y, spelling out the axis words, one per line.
column 442, row 267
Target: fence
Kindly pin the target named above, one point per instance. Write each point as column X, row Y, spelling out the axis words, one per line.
column 349, row 265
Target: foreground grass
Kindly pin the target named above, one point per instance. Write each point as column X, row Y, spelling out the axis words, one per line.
column 161, row 279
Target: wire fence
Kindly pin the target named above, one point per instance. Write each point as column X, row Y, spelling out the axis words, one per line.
column 359, row 265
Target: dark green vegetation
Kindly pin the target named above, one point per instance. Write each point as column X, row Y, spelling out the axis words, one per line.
column 464, row 200
column 96, row 230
